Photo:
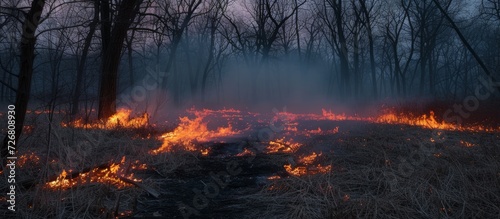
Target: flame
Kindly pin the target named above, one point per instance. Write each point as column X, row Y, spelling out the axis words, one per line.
column 309, row 159
column 283, row 146
column 191, row 131
column 307, row 170
column 109, row 175
column 429, row 122
column 425, row 121
column 306, row 166
column 120, row 119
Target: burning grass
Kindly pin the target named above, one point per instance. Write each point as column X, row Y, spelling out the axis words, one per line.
column 365, row 182
column 113, row 174
column 191, row 131
column 121, row 119
column 328, row 167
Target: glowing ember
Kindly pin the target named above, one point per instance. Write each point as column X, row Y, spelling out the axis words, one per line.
column 275, row 177
column 120, row 119
column 467, row 144
column 29, row 158
column 109, row 175
column 205, row 151
column 319, row 131
column 245, row 152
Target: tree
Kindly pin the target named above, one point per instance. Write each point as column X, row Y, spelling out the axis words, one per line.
column 27, row 48
column 112, row 49
column 81, row 62
column 332, row 13
column 367, row 23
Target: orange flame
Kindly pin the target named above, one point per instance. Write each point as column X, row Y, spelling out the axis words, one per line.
column 430, row 122
column 307, row 170
column 283, row 146
column 120, row 119
column 306, row 166
column 190, row 131
column 110, row 175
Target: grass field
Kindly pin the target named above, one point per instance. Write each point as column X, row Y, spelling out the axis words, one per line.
column 359, row 170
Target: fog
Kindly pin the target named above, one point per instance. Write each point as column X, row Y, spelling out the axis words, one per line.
column 305, row 55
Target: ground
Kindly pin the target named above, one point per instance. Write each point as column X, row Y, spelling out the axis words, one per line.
column 345, row 169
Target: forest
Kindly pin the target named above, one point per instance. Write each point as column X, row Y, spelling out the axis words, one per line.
column 321, row 106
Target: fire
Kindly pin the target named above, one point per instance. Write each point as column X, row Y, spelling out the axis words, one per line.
column 283, row 146
column 191, row 131
column 245, row 152
column 225, row 123
column 467, row 144
column 205, row 151
column 121, row 118
column 428, row 121
column 306, row 166
column 111, row 175
column 307, row 170
column 309, row 159
column 319, row 131
column 29, row 158
column 425, row 121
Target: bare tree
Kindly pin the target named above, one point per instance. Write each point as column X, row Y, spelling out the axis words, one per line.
column 367, row 12
column 82, row 61
column 27, row 48
column 112, row 49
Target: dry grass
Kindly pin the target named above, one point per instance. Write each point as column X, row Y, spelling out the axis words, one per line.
column 453, row 181
column 62, row 148
column 366, row 183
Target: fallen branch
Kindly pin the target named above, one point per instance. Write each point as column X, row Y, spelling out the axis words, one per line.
column 148, row 189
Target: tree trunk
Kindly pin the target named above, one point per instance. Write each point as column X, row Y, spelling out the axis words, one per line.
column 27, row 47
column 206, row 70
column 343, row 55
column 81, row 64
column 110, row 63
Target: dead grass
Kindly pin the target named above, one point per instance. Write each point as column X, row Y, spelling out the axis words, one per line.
column 63, row 148
column 366, row 183
column 453, row 181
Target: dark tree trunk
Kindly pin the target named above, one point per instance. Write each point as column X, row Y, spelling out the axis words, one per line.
column 206, row 70
column 82, row 62
column 111, row 60
column 177, row 35
column 343, row 54
column 27, row 47
column 368, row 25
column 130, row 58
